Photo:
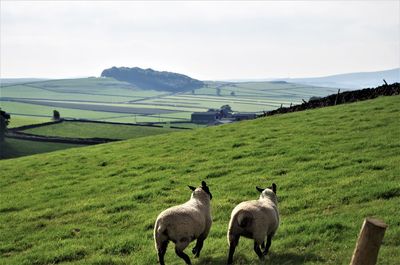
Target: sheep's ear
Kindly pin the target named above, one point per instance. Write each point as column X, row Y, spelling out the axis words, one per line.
column 191, row 187
column 260, row 189
column 206, row 189
column 274, row 187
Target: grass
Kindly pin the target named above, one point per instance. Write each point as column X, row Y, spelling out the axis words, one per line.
column 97, row 205
column 20, row 120
column 91, row 130
column 43, row 111
column 16, row 148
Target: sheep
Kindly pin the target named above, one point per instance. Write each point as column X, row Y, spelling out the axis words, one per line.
column 184, row 223
column 256, row 219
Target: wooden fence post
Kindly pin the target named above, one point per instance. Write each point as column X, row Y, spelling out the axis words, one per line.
column 368, row 243
column 337, row 96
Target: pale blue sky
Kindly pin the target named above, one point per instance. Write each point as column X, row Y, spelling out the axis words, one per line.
column 206, row 40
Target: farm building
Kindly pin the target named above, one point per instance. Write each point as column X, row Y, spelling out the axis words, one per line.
column 205, row 117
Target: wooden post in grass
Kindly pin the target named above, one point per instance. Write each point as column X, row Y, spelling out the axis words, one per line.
column 369, row 241
column 337, row 96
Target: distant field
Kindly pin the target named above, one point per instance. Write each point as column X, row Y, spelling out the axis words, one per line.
column 17, row 121
column 101, row 107
column 47, row 111
column 111, row 100
column 16, row 147
column 92, row 130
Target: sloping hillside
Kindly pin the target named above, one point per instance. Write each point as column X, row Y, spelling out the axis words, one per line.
column 97, row 205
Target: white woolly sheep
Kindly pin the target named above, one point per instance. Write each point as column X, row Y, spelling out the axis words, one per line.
column 256, row 219
column 184, row 223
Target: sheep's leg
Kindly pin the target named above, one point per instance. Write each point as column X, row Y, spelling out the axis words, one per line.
column 162, row 249
column 263, row 245
column 258, row 250
column 199, row 245
column 183, row 256
column 232, row 246
column 179, row 247
column 269, row 241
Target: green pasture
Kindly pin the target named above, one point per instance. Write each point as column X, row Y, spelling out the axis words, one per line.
column 17, row 120
column 149, row 118
column 177, row 115
column 97, row 85
column 30, row 92
column 82, row 89
column 97, row 205
column 131, row 118
column 33, row 109
column 100, row 130
column 17, row 148
column 265, row 89
column 201, row 104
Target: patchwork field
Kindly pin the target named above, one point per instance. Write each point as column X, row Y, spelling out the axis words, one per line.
column 97, row 205
column 106, row 99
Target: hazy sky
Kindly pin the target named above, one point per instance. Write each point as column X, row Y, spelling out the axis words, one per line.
column 205, row 40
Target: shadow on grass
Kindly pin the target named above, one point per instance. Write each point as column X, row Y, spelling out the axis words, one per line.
column 272, row 258
column 238, row 259
column 291, row 258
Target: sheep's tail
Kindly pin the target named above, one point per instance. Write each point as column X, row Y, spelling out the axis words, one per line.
column 160, row 234
column 239, row 222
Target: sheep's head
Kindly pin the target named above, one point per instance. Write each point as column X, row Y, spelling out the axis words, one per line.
column 201, row 190
column 269, row 192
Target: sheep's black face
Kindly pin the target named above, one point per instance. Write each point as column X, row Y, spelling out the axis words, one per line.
column 204, row 187
column 273, row 188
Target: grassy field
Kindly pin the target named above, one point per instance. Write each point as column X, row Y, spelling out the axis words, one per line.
column 97, row 205
column 91, row 130
column 107, row 99
column 16, row 148
column 21, row 120
column 47, row 111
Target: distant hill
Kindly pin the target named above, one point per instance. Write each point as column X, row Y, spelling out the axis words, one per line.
column 151, row 79
column 7, row 81
column 351, row 80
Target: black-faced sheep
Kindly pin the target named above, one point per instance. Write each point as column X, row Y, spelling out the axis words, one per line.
column 184, row 223
column 257, row 219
